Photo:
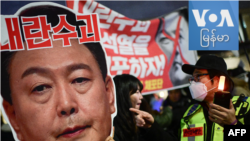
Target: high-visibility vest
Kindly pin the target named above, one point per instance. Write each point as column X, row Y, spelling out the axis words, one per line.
column 194, row 127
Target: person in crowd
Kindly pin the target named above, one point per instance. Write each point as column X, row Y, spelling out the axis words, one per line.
column 239, row 73
column 179, row 104
column 240, row 79
column 59, row 93
column 156, row 102
column 241, row 87
column 132, row 124
column 204, row 83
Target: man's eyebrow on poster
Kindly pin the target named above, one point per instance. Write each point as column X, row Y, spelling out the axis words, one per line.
column 70, row 69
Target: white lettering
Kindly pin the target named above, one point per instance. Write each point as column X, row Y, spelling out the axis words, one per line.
column 160, row 64
column 123, row 23
column 126, row 50
column 141, row 26
column 144, row 67
column 103, row 12
column 126, row 40
column 135, row 67
column 200, row 20
column 243, row 131
column 231, row 132
column 225, row 15
column 87, row 9
column 119, row 67
column 151, row 66
column 237, row 131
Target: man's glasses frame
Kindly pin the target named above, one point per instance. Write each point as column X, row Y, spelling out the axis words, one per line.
column 197, row 77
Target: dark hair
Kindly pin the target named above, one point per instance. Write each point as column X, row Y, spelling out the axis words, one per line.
column 124, row 122
column 228, row 84
column 51, row 13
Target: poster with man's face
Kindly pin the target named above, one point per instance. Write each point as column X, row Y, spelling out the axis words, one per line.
column 172, row 38
column 55, row 82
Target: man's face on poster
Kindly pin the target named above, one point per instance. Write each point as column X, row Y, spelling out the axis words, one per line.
column 169, row 28
column 59, row 94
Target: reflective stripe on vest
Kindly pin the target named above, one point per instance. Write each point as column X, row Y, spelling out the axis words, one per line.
column 195, row 120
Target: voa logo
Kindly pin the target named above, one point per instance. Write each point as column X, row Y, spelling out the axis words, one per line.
column 225, row 16
column 213, row 25
column 205, row 39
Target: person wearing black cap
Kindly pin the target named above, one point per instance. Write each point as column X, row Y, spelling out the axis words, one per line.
column 205, row 114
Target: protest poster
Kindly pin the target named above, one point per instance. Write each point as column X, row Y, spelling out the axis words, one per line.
column 55, row 83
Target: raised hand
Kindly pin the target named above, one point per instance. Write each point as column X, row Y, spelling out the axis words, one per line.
column 143, row 119
column 221, row 115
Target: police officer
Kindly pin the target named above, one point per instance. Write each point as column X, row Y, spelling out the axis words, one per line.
column 205, row 120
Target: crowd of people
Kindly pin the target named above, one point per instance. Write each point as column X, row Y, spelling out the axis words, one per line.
column 184, row 112
column 142, row 123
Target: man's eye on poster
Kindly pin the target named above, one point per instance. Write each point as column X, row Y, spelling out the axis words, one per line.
column 58, row 64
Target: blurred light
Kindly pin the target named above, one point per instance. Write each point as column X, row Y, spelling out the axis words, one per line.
column 162, row 94
column 221, row 83
column 232, row 62
column 244, row 24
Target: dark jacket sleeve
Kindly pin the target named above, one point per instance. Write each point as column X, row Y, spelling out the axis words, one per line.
column 156, row 133
column 239, row 123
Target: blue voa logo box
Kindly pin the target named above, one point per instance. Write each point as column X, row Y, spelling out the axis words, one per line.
column 213, row 25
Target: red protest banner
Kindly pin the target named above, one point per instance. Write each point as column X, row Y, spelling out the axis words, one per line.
column 152, row 50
